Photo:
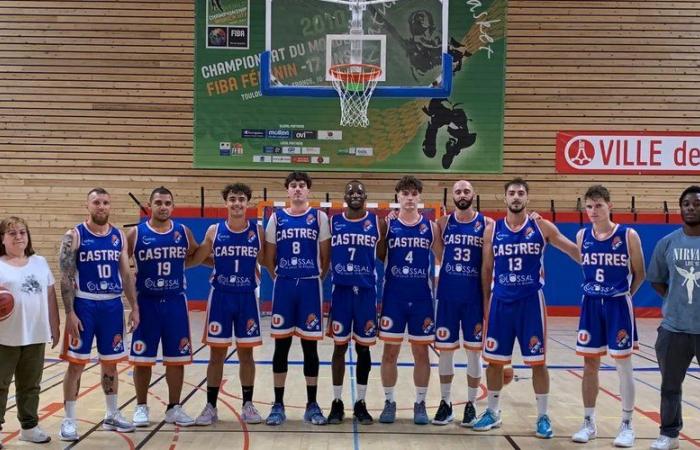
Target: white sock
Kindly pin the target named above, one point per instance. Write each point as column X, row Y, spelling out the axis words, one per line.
column 361, row 391
column 589, row 413
column 337, row 392
column 445, row 391
column 69, row 406
column 421, row 392
column 627, row 394
column 111, row 402
column 494, row 399
column 389, row 393
column 542, row 404
column 472, row 393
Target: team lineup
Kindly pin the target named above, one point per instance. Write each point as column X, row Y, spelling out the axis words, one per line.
column 463, row 272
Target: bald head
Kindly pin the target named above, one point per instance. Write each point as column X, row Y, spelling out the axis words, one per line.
column 462, row 194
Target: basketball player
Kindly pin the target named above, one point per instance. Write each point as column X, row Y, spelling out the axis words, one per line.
column 236, row 245
column 459, row 299
column 613, row 270
column 514, row 304
column 94, row 273
column 159, row 248
column 297, row 251
column 407, row 300
column 357, row 240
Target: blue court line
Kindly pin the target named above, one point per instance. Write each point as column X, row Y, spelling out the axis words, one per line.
column 355, row 435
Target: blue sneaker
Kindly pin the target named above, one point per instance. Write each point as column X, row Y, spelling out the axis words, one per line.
column 388, row 414
column 420, row 415
column 544, row 428
column 277, row 415
column 314, row 415
column 489, row 419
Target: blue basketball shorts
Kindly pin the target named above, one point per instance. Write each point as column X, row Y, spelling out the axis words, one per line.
column 353, row 314
column 102, row 320
column 607, row 324
column 163, row 320
column 229, row 313
column 296, row 308
column 524, row 319
column 402, row 311
column 453, row 311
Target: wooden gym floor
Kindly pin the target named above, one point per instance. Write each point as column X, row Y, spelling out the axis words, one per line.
column 518, row 404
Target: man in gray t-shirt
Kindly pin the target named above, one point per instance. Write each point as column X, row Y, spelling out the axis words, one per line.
column 674, row 272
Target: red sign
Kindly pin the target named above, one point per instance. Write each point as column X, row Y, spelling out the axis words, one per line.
column 628, row 152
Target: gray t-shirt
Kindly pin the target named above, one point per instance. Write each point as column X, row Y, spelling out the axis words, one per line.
column 676, row 262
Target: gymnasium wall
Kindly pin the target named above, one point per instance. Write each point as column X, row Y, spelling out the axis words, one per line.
column 100, row 93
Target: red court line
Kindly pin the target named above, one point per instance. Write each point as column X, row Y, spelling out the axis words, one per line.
column 53, row 408
column 653, row 415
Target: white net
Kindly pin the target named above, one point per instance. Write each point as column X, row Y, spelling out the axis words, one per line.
column 354, row 84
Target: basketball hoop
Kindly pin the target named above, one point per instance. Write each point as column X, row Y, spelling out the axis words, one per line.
column 354, row 84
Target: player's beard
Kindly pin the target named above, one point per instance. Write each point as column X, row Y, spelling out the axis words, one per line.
column 516, row 208
column 463, row 204
column 97, row 220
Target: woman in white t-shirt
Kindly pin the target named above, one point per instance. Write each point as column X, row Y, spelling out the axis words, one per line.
column 33, row 322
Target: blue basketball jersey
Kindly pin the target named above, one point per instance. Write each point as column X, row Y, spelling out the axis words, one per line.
column 408, row 258
column 235, row 257
column 298, row 254
column 517, row 268
column 160, row 259
column 97, row 262
column 460, row 273
column 606, row 263
column 353, row 250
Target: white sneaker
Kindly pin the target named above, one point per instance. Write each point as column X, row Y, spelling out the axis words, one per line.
column 625, row 436
column 117, row 422
column 250, row 414
column 141, row 416
column 69, row 430
column 178, row 416
column 207, row 416
column 35, row 435
column 665, row 443
column 588, row 432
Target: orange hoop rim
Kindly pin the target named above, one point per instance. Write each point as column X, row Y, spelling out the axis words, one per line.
column 343, row 73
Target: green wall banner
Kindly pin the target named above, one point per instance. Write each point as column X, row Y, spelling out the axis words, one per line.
column 236, row 127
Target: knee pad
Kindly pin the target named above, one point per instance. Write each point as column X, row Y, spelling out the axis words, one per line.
column 311, row 362
column 364, row 363
column 281, row 354
column 473, row 364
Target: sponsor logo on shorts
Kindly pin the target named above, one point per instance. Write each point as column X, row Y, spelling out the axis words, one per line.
column 428, row 325
column 478, row 328
column 311, row 321
column 442, row 333
column 622, row 338
column 277, row 320
column 215, row 328
column 337, row 327
column 584, row 337
column 370, row 328
column 75, row 342
column 535, row 345
column 184, row 347
column 138, row 347
column 117, row 343
column 386, row 323
column 251, row 327
column 491, row 344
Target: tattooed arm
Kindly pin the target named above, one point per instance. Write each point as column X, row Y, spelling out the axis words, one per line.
column 66, row 261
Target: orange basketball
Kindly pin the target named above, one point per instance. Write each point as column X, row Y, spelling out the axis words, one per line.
column 7, row 304
column 508, row 375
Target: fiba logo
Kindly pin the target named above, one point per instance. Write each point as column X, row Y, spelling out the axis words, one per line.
column 139, row 347
column 214, row 328
column 491, row 344
column 442, row 333
column 584, row 337
column 277, row 320
column 580, row 152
